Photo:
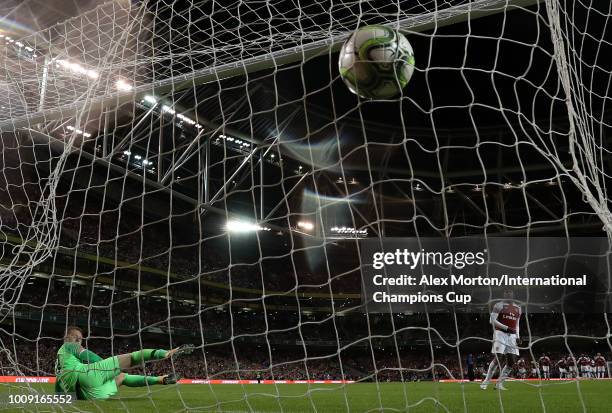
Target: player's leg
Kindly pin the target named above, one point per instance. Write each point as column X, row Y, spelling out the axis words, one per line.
column 137, row 380
column 136, row 358
column 510, row 360
column 491, row 371
column 497, row 349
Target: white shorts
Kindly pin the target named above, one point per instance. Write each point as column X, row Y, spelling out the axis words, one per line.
column 545, row 368
column 504, row 343
column 561, row 370
column 572, row 368
column 522, row 371
column 585, row 369
column 600, row 369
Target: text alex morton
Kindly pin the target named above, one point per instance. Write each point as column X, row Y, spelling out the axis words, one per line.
column 457, row 260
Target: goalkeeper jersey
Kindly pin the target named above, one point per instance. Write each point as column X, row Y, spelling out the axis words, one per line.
column 67, row 367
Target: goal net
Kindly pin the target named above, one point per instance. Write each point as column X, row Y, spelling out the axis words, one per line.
column 199, row 173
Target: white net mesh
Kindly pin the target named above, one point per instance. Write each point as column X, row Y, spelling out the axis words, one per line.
column 133, row 133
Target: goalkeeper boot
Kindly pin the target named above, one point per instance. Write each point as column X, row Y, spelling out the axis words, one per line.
column 181, row 350
column 170, row 379
column 484, row 385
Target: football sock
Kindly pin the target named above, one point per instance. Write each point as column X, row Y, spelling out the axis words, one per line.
column 146, row 355
column 491, row 371
column 504, row 375
column 136, row 380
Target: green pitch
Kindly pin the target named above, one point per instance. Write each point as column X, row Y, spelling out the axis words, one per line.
column 426, row 397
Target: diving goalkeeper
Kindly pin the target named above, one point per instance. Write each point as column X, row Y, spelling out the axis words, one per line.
column 86, row 374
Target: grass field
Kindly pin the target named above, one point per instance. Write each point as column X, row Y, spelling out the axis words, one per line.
column 425, row 397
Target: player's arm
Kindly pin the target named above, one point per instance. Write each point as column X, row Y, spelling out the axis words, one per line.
column 493, row 318
column 87, row 356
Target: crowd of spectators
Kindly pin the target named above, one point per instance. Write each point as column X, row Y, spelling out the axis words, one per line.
column 37, row 358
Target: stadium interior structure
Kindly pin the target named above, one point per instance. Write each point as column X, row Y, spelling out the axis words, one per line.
column 135, row 134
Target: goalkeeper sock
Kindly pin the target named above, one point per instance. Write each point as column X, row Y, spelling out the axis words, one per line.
column 135, row 380
column 146, row 355
column 491, row 371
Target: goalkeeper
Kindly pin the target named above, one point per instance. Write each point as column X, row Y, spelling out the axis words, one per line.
column 86, row 374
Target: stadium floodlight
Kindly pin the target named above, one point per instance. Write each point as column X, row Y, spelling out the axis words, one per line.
column 150, row 99
column 123, row 85
column 308, row 226
column 78, row 131
column 128, row 153
column 168, row 109
column 243, row 227
column 349, row 232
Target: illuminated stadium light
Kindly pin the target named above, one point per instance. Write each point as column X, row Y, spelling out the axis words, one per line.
column 308, row 226
column 348, row 231
column 146, row 162
column 76, row 68
column 128, row 153
column 137, row 157
column 168, row 109
column 123, row 85
column 150, row 99
column 78, row 131
column 186, row 119
column 19, row 44
column 243, row 227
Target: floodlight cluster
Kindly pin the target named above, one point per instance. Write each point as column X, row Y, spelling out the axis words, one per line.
column 235, row 141
column 75, row 68
column 349, row 231
column 244, row 226
column 78, row 131
column 152, row 101
column 306, row 225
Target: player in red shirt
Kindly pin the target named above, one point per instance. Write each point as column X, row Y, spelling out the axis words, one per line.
column 600, row 366
column 585, row 365
column 571, row 366
column 562, row 366
column 544, row 362
column 505, row 318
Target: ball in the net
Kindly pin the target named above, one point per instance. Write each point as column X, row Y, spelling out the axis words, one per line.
column 376, row 62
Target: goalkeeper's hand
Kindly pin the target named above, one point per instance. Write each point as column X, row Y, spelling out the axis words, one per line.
column 510, row 330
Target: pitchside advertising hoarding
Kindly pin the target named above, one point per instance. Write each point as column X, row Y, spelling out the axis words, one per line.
column 545, row 274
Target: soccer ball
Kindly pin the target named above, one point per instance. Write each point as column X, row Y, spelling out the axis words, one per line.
column 376, row 62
